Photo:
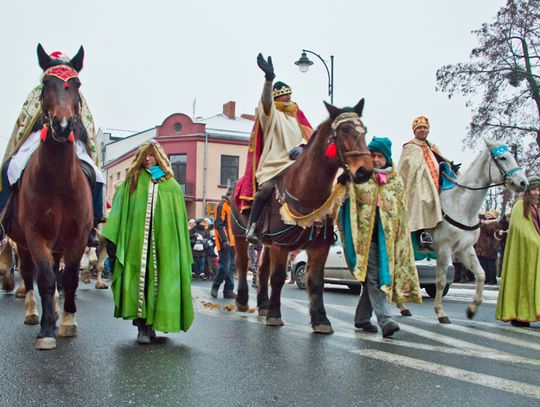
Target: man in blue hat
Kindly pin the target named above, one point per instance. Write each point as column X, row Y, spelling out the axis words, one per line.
column 374, row 218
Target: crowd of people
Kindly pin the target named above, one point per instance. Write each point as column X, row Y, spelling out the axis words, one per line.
column 155, row 252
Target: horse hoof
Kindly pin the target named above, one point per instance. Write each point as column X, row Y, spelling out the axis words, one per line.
column 470, row 313
column 406, row 313
column 242, row 307
column 273, row 321
column 323, row 329
column 444, row 320
column 100, row 285
column 45, row 343
column 31, row 320
column 67, row 330
column 20, row 294
column 263, row 312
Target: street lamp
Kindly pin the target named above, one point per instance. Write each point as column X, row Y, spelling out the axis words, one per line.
column 304, row 63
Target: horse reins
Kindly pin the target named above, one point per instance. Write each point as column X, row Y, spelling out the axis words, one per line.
column 494, row 153
column 359, row 127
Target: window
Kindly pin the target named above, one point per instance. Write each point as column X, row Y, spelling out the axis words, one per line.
column 177, row 126
column 229, row 169
column 118, row 175
column 178, row 163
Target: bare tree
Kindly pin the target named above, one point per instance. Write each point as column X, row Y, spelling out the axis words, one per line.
column 501, row 81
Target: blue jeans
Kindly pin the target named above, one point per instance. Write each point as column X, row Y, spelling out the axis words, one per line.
column 201, row 262
column 225, row 271
column 372, row 299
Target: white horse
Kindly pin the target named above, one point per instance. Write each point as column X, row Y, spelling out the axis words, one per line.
column 459, row 230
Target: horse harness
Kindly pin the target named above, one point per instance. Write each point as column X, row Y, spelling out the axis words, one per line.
column 494, row 154
column 292, row 202
column 360, row 129
column 64, row 73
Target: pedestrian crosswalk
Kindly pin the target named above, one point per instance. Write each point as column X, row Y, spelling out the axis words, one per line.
column 491, row 343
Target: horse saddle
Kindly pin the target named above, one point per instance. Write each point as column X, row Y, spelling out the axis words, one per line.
column 89, row 173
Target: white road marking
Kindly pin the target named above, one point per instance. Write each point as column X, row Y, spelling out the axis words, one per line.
column 494, row 382
column 484, row 334
column 498, row 325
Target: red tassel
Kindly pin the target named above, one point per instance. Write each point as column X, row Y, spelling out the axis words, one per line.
column 71, row 138
column 43, row 133
column 66, row 85
column 331, row 150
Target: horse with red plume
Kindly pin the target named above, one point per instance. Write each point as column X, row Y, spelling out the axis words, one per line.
column 51, row 212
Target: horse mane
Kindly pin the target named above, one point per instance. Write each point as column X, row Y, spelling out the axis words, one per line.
column 324, row 128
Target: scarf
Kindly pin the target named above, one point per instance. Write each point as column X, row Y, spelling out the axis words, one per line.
column 156, row 172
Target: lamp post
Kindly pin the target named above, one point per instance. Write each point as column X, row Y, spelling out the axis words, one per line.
column 304, row 63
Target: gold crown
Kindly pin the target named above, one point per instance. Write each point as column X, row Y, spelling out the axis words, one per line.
column 284, row 90
column 420, row 121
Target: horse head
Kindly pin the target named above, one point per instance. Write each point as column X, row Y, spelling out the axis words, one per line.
column 60, row 99
column 348, row 134
column 503, row 167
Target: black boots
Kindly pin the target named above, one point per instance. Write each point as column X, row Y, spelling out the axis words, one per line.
column 93, row 238
column 252, row 234
column 146, row 332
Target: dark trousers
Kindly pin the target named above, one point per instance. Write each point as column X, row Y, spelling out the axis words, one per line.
column 490, row 268
column 97, row 194
column 225, row 271
column 6, row 188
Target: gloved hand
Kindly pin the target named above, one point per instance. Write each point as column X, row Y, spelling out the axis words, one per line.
column 226, row 244
column 295, row 152
column 455, row 167
column 266, row 67
column 344, row 178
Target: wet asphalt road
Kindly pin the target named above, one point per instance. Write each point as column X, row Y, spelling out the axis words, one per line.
column 232, row 359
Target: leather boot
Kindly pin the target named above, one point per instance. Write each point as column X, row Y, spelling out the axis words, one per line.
column 252, row 234
column 93, row 238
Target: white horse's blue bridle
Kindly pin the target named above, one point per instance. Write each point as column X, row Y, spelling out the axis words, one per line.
column 495, row 153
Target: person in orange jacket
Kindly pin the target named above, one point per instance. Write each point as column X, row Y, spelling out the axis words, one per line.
column 225, row 247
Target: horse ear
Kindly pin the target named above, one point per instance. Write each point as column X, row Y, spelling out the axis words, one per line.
column 359, row 107
column 77, row 61
column 490, row 143
column 334, row 111
column 43, row 58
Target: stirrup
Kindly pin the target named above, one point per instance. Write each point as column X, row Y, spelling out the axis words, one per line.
column 426, row 239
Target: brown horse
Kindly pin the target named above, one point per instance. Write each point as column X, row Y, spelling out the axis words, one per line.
column 51, row 214
column 305, row 186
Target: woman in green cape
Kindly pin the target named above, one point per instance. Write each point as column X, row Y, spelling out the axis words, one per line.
column 519, row 294
column 149, row 239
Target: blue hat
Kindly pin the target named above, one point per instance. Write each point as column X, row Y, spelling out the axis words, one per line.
column 382, row 145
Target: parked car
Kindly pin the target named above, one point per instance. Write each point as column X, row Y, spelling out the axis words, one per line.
column 337, row 272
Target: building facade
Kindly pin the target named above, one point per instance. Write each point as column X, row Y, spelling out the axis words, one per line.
column 207, row 155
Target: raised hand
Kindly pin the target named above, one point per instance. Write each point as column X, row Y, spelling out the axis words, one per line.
column 266, row 66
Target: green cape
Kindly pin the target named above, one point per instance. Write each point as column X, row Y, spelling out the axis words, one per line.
column 519, row 294
column 149, row 228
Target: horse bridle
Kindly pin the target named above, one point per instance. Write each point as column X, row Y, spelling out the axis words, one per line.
column 361, row 130
column 46, row 120
column 493, row 155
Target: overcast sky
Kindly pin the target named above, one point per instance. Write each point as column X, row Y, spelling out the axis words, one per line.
column 146, row 60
